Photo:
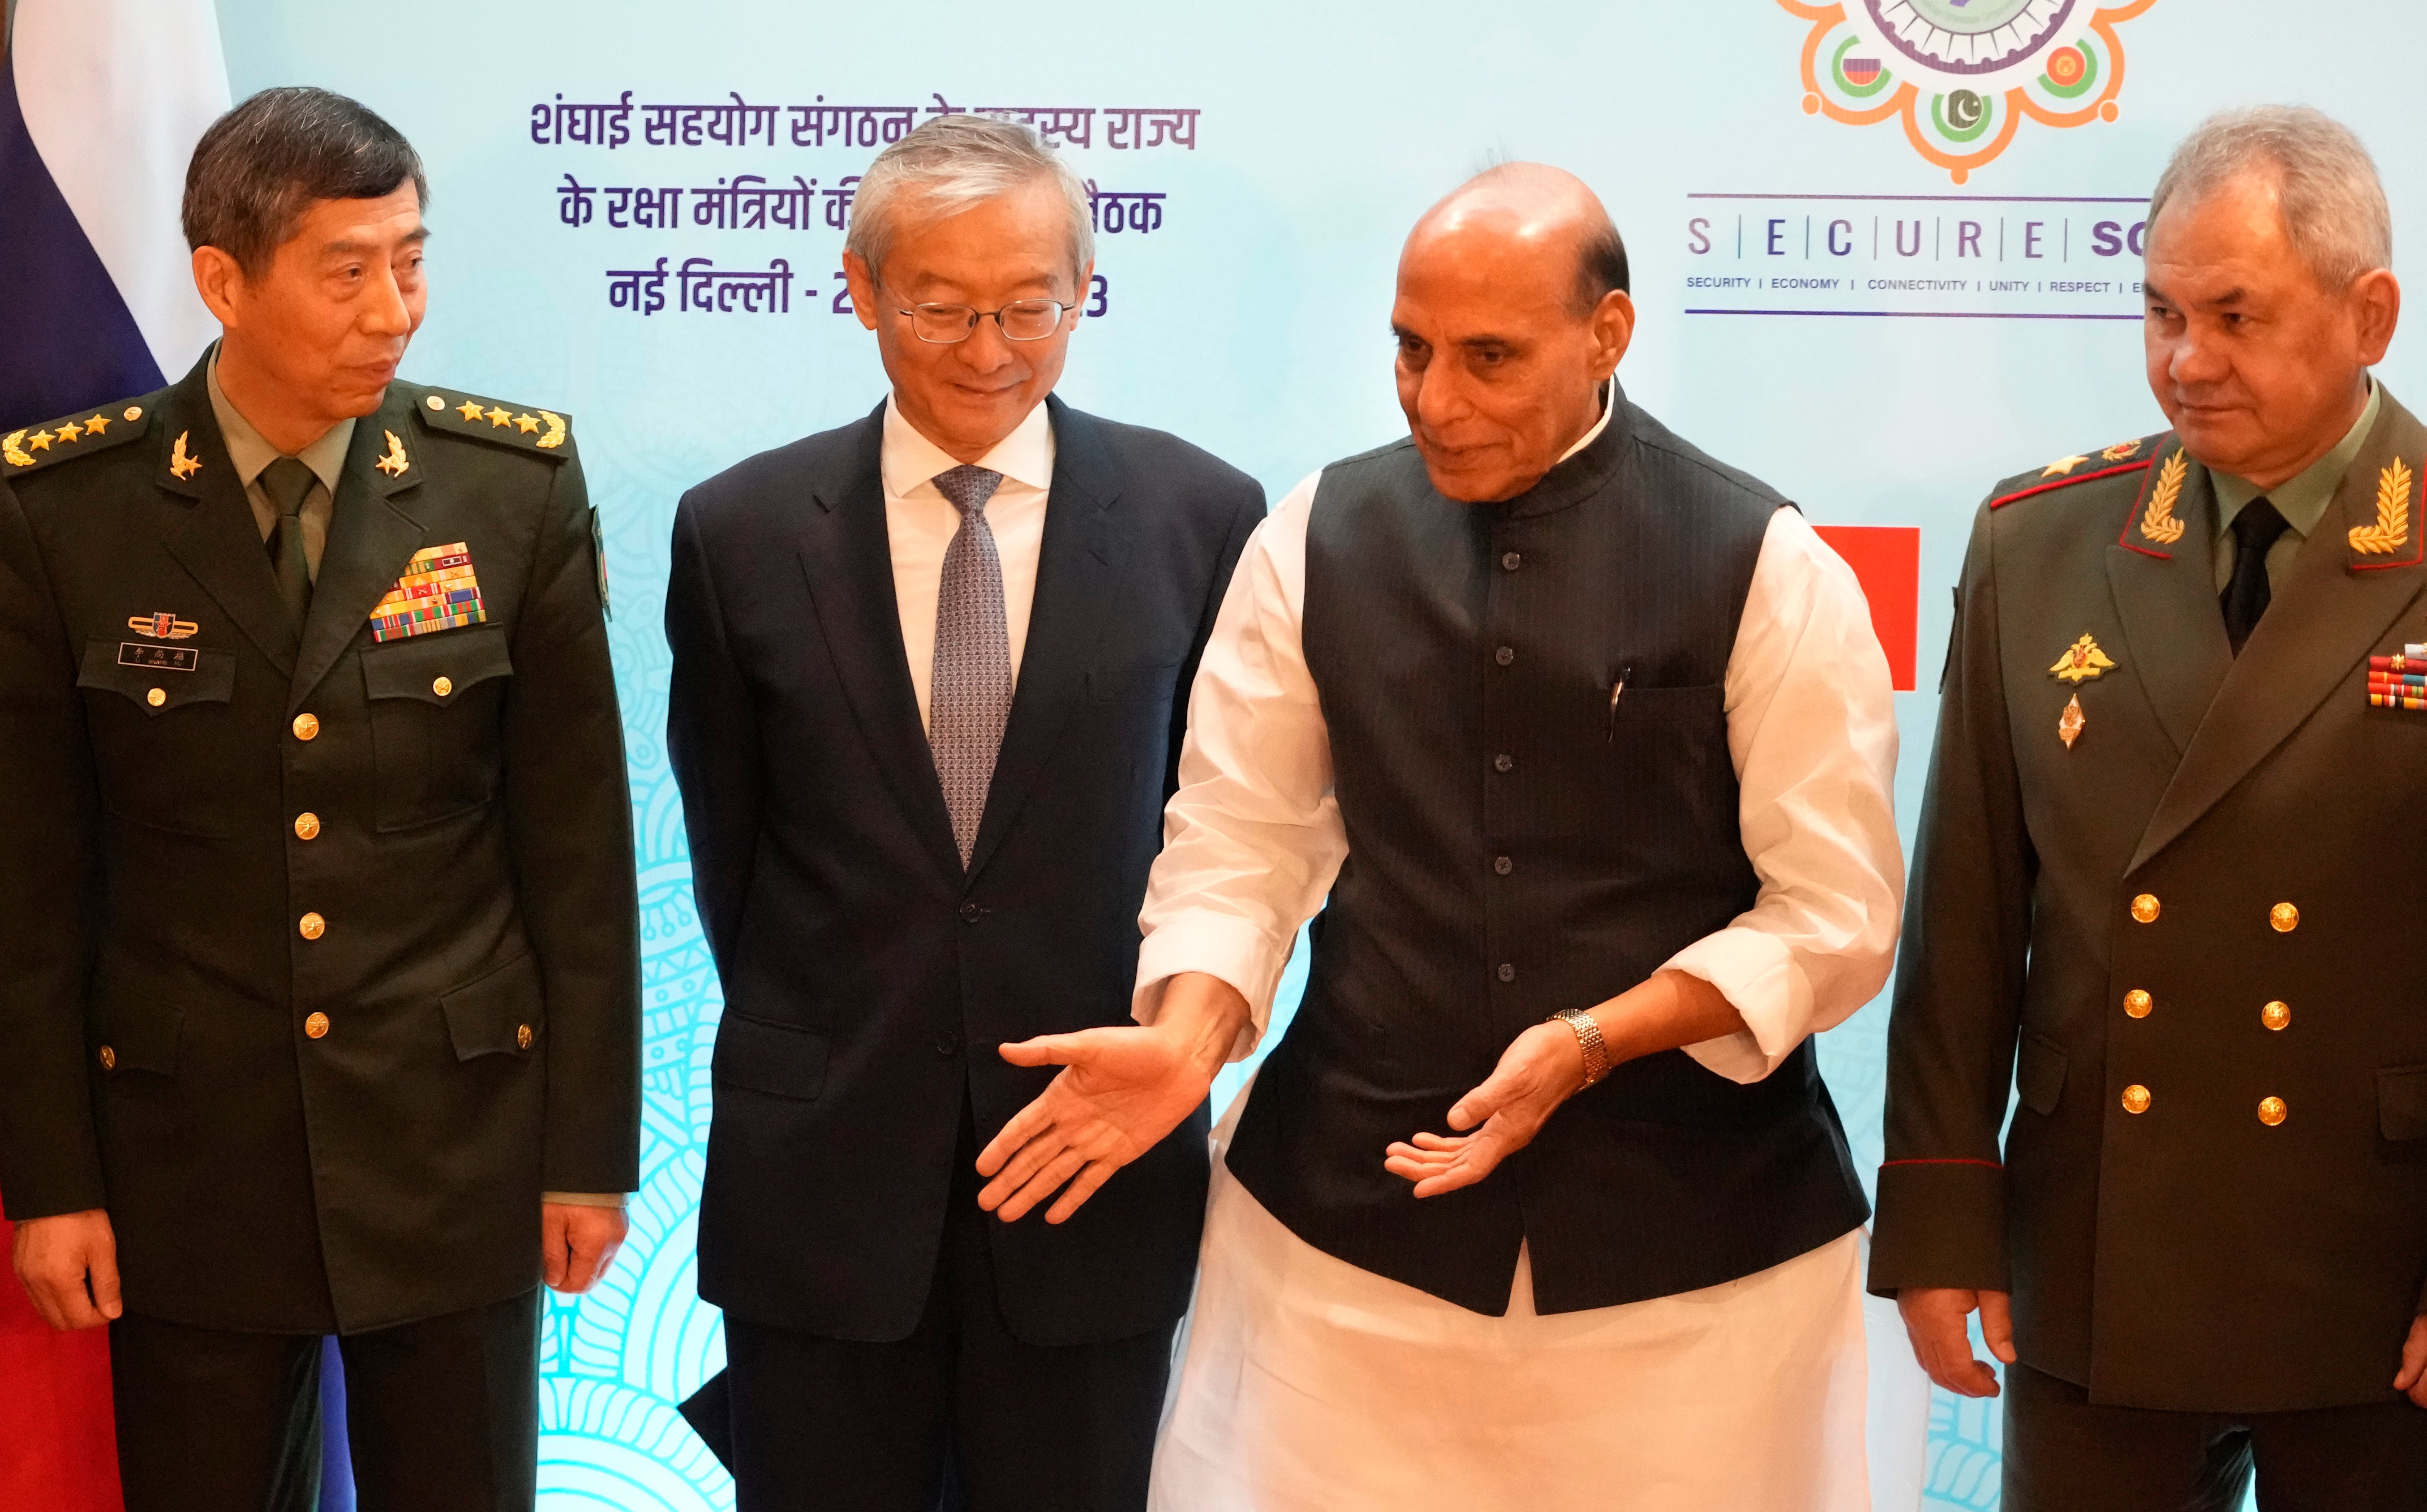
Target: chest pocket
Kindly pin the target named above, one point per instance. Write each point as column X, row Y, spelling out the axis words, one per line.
column 163, row 734
column 437, row 705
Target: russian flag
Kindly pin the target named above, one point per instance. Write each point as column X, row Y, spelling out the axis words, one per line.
column 101, row 104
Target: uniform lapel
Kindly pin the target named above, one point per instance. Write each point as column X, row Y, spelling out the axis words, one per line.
column 371, row 541
column 218, row 539
column 1073, row 590
column 848, row 561
column 2165, row 596
column 2334, row 607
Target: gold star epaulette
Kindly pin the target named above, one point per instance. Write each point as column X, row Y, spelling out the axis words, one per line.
column 2107, row 462
column 452, row 411
column 79, row 434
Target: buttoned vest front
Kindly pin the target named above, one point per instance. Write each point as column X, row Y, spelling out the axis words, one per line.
column 1520, row 842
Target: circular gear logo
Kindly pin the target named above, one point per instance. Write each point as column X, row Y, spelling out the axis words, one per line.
column 1964, row 75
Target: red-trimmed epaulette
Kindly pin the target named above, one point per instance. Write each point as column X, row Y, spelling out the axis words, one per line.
column 2123, row 457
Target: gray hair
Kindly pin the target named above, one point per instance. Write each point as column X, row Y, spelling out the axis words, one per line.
column 262, row 165
column 954, row 163
column 2327, row 186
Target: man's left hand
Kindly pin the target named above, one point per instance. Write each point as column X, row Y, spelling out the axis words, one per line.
column 577, row 1243
column 2413, row 1378
column 1540, row 1070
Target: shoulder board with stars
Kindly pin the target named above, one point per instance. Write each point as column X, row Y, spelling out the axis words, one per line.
column 452, row 411
column 2108, row 461
column 80, row 434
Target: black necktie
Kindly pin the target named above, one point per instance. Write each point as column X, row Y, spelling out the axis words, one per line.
column 2244, row 599
column 288, row 482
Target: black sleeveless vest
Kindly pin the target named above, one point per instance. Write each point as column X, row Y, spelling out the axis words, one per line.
column 1516, row 847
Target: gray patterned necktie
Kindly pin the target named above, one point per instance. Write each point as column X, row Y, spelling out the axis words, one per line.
column 970, row 700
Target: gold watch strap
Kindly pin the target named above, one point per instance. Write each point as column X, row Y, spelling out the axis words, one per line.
column 1587, row 1032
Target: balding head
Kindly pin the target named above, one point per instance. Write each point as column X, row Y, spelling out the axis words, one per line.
column 1512, row 311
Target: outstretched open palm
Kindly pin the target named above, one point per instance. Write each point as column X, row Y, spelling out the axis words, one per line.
column 1540, row 1070
column 1121, row 1091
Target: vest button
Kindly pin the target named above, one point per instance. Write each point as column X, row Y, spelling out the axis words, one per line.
column 1510, row 561
column 2275, row 1016
column 1508, row 972
column 308, row 825
column 1505, row 655
column 1502, row 763
column 2138, row 1003
column 969, row 913
column 2135, row 1098
column 948, row 1044
column 1503, row 865
column 307, row 726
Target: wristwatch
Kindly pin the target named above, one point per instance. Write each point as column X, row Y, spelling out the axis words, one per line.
column 1588, row 1034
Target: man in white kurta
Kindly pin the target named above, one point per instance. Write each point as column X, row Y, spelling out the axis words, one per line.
column 1328, row 1365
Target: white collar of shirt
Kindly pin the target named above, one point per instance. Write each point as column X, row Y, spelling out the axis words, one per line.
column 1608, row 403
column 911, row 462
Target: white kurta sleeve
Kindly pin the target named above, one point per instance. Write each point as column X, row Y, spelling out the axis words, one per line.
column 1252, row 839
column 1811, row 731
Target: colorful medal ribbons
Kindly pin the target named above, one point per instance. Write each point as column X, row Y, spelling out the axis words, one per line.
column 438, row 592
column 2401, row 681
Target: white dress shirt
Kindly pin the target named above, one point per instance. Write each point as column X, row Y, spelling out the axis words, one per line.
column 920, row 522
column 1253, row 838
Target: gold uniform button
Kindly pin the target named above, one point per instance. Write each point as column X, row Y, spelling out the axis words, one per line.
column 2271, row 1111
column 443, row 686
column 312, row 926
column 2275, row 1014
column 134, row 412
column 2135, row 1098
column 308, row 825
column 156, row 697
column 307, row 726
column 435, row 402
column 317, row 1026
column 108, row 1059
column 2284, row 918
column 2144, row 908
column 522, row 1036
column 2138, row 1003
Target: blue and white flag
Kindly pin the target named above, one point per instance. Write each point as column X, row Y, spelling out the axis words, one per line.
column 101, row 104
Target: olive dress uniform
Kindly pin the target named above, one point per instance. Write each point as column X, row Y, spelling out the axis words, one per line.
column 319, row 938
column 2162, row 893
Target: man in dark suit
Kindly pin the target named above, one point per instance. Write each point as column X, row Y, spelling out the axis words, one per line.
column 928, row 694
column 316, row 912
column 2163, row 867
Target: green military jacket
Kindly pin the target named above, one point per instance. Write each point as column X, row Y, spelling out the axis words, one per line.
column 320, row 951
column 2159, row 897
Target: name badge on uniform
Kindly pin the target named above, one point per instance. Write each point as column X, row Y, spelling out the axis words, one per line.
column 438, row 592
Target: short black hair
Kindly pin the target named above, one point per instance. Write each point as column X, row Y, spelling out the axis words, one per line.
column 263, row 163
column 1601, row 266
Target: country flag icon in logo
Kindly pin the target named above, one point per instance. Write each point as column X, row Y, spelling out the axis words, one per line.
column 1862, row 71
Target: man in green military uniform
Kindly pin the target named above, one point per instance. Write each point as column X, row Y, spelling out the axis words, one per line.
column 2164, row 868
column 316, row 904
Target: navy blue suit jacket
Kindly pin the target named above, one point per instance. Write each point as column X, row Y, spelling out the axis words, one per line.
column 867, row 979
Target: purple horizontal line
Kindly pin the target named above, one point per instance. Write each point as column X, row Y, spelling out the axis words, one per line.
column 1955, row 199
column 1928, row 315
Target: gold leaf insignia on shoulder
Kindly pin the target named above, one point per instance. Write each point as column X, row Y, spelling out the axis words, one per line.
column 2061, row 467
column 555, row 436
column 395, row 462
column 13, row 453
column 2081, row 661
column 2160, row 523
column 2392, row 527
column 183, row 464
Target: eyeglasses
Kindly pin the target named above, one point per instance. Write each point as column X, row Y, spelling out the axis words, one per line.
column 1020, row 320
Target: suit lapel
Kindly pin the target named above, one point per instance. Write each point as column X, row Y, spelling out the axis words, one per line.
column 218, row 539
column 2333, row 607
column 371, row 541
column 1073, row 588
column 847, row 560
column 2165, row 596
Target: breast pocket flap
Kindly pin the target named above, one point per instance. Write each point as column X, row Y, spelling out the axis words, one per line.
column 764, row 1056
column 2039, row 1074
column 500, row 1014
column 157, row 678
column 141, row 1037
column 2402, row 1102
column 435, row 667
column 1646, row 705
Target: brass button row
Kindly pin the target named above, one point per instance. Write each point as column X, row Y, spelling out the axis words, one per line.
column 311, row 926
column 2139, row 1004
column 2271, row 1110
column 2284, row 917
column 316, row 1027
column 308, row 825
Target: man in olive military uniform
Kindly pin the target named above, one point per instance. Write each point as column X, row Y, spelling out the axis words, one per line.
column 2167, row 869
column 316, row 904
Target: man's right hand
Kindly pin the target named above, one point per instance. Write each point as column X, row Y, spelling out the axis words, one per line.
column 69, row 1264
column 1941, row 1340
